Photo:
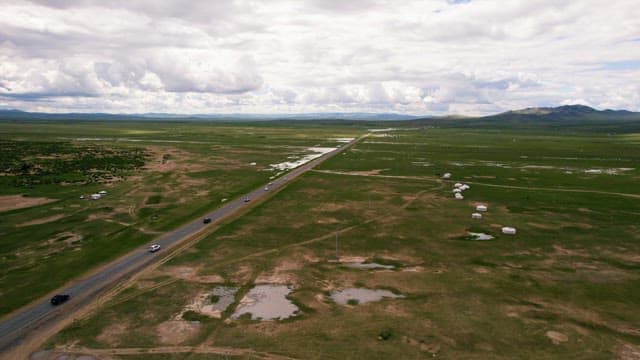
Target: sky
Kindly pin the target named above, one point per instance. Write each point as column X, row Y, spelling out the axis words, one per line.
column 430, row 57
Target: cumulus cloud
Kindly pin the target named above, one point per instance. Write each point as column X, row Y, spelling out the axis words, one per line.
column 417, row 56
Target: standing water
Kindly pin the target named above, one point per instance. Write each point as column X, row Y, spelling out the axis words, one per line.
column 266, row 302
column 342, row 297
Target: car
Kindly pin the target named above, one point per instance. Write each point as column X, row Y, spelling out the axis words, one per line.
column 266, row 189
column 206, row 220
column 59, row 299
column 154, row 248
column 247, row 199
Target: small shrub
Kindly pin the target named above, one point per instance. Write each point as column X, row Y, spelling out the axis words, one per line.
column 353, row 302
column 194, row 316
column 385, row 335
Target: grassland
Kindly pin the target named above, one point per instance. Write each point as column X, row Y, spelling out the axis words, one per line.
column 566, row 286
column 157, row 175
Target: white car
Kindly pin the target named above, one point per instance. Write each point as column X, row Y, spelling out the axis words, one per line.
column 154, row 248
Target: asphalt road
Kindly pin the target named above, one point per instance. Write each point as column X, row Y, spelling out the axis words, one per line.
column 19, row 327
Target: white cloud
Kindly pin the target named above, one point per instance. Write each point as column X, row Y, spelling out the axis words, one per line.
column 426, row 57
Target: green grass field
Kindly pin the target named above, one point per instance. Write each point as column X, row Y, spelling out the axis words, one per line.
column 158, row 176
column 566, row 285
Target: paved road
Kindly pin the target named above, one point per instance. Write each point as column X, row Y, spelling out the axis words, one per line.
column 21, row 326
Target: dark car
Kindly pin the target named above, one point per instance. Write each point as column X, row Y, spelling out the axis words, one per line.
column 247, row 199
column 206, row 220
column 59, row 299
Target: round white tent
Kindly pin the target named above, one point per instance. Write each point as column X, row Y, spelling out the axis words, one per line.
column 508, row 230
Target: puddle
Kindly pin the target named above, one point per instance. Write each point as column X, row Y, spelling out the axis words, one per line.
column 368, row 266
column 362, row 296
column 204, row 303
column 480, row 236
column 288, row 165
column 225, row 295
column 343, row 140
column 266, row 302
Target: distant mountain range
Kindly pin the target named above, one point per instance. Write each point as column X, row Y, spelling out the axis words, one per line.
column 566, row 116
column 357, row 116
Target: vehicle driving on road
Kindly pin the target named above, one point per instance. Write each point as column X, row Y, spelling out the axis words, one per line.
column 59, row 299
column 206, row 220
column 154, row 248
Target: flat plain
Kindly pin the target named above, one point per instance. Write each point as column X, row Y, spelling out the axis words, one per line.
column 155, row 181
column 381, row 217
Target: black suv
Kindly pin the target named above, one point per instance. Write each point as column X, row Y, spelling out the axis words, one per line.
column 59, row 299
column 206, row 220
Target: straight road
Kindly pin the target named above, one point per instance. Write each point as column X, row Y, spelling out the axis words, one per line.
column 19, row 328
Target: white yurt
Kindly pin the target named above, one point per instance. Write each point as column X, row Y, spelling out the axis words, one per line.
column 446, row 176
column 476, row 216
column 509, row 230
column 457, row 185
column 482, row 208
column 457, row 191
column 459, row 196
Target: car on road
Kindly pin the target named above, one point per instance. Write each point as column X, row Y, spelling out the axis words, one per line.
column 247, row 199
column 154, row 248
column 206, row 220
column 266, row 189
column 59, row 299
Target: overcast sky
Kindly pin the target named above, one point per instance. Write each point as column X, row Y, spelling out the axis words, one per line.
column 416, row 57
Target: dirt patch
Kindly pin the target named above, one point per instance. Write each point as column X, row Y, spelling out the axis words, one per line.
column 569, row 252
column 481, row 270
column 281, row 274
column 543, row 226
column 69, row 238
column 211, row 303
column 242, row 274
column 326, row 221
column 629, row 352
column 12, row 202
column 329, row 207
column 368, row 173
column 396, row 310
column 556, row 337
column 175, row 332
column 627, row 257
column 352, row 259
column 111, row 334
column 191, row 274
column 537, row 307
column 172, row 159
column 44, row 220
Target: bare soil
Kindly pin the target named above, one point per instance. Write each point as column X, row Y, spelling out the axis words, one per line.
column 629, row 352
column 12, row 202
column 112, row 333
column 44, row 220
column 191, row 274
column 175, row 332
column 557, row 337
